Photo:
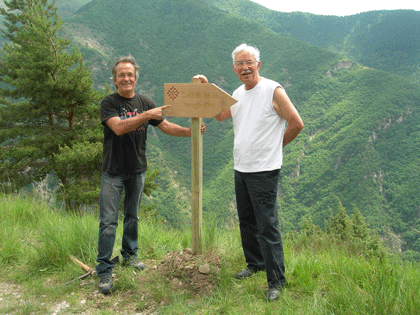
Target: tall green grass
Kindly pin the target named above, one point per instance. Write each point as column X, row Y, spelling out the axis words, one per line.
column 327, row 274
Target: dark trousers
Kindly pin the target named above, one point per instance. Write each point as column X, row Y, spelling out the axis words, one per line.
column 256, row 198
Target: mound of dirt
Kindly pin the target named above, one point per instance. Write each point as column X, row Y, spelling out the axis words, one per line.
column 193, row 274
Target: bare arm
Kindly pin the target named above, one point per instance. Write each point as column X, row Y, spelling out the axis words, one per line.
column 120, row 127
column 175, row 130
column 284, row 107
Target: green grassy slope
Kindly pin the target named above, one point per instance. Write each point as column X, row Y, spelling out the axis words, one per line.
column 343, row 271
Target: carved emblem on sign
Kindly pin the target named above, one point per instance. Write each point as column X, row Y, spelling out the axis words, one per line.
column 173, row 93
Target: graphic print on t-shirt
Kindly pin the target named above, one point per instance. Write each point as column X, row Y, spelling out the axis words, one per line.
column 126, row 114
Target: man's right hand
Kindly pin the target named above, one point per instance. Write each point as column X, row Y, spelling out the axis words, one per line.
column 157, row 112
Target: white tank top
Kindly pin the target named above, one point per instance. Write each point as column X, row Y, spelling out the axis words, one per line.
column 258, row 129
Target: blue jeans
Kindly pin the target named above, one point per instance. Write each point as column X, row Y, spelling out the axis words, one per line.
column 256, row 199
column 109, row 202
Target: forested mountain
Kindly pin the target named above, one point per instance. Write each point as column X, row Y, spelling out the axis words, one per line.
column 360, row 145
column 383, row 40
column 67, row 8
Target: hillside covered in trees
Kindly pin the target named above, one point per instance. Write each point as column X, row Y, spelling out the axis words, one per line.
column 383, row 40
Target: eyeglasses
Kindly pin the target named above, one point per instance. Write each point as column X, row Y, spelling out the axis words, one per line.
column 123, row 75
column 249, row 63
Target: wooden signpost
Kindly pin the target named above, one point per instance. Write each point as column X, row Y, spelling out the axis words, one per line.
column 196, row 100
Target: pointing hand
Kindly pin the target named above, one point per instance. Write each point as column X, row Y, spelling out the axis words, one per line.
column 157, row 113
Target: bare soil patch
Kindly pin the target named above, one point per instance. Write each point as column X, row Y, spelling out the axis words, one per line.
column 179, row 272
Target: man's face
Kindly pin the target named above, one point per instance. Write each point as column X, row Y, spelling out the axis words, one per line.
column 247, row 68
column 125, row 79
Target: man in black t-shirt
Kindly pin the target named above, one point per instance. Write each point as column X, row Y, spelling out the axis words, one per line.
column 125, row 116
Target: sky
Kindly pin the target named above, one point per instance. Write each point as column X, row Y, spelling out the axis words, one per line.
column 334, row 7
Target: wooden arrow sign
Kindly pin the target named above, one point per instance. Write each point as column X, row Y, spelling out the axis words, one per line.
column 202, row 100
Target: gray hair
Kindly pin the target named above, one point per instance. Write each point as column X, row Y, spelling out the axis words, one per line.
column 244, row 47
column 129, row 59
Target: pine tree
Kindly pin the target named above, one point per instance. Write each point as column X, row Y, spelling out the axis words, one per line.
column 49, row 110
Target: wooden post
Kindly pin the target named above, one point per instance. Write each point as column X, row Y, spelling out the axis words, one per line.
column 196, row 183
column 198, row 101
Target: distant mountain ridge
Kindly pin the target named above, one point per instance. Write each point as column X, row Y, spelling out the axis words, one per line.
column 383, row 40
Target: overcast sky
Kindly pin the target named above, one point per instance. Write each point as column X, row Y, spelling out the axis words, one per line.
column 341, row 8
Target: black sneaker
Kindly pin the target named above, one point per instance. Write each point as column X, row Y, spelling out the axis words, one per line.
column 246, row 273
column 105, row 284
column 135, row 263
column 273, row 294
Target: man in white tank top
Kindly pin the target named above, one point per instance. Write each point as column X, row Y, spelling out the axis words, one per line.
column 264, row 121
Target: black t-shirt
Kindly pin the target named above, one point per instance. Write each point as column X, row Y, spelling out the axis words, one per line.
column 125, row 154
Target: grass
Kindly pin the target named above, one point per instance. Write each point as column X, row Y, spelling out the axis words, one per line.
column 325, row 275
